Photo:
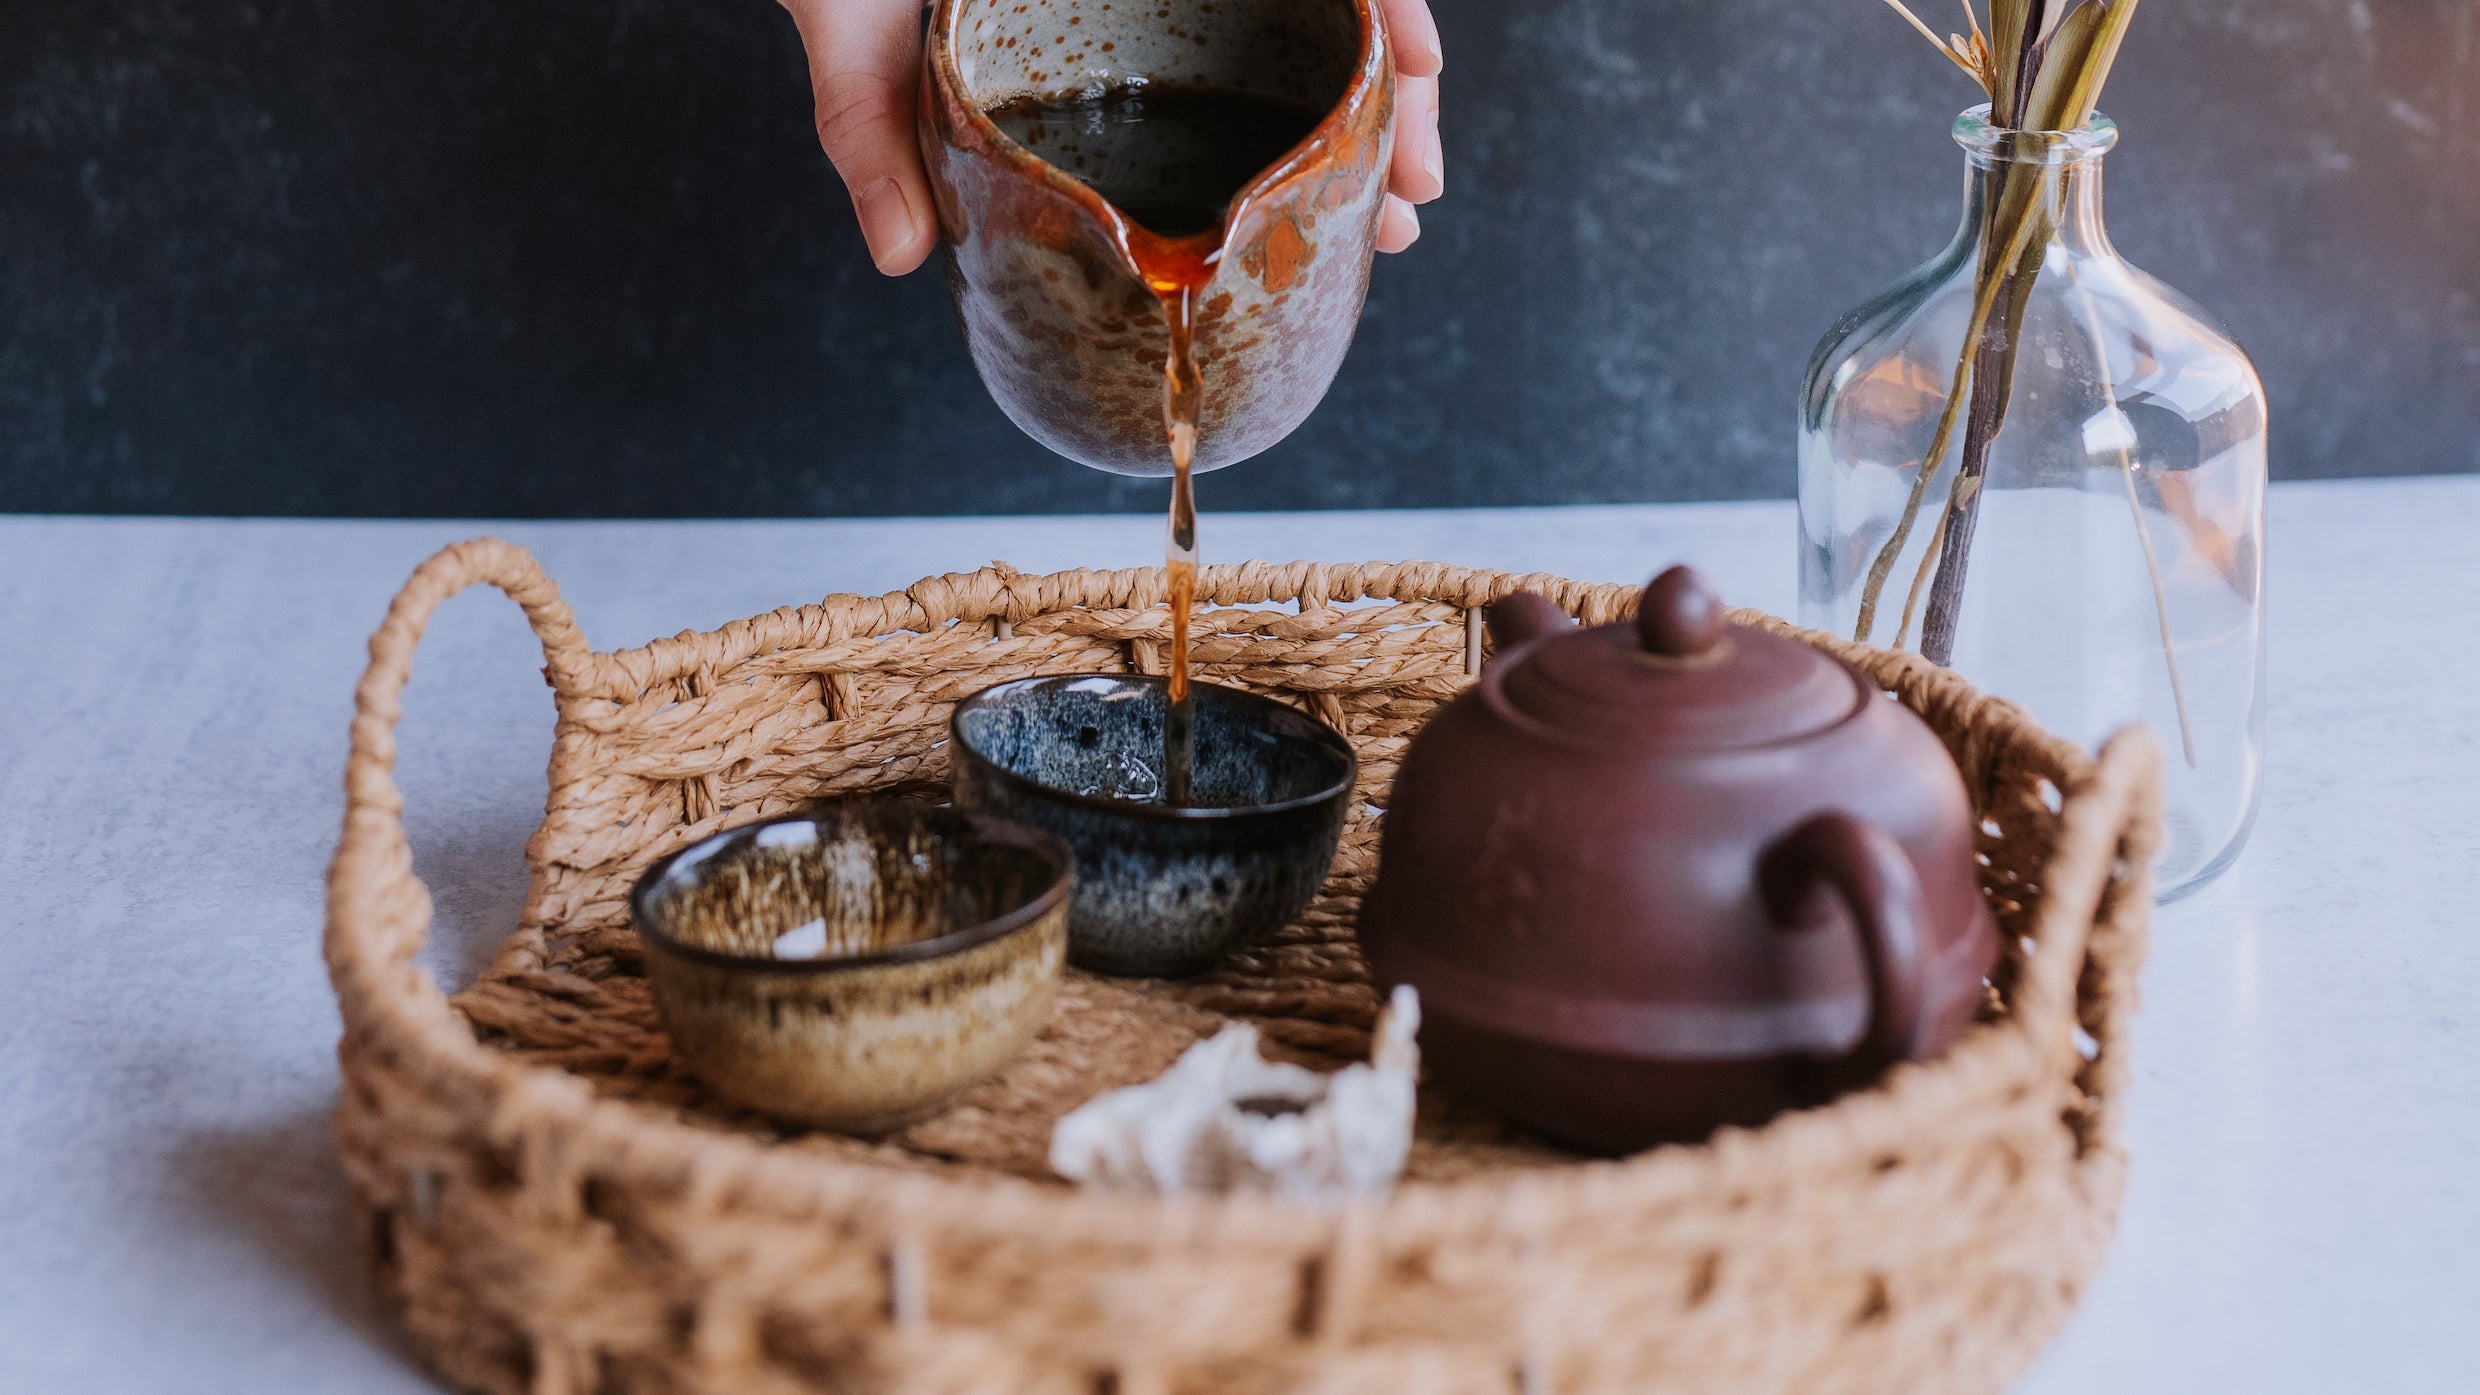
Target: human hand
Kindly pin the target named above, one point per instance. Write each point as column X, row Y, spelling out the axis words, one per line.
column 865, row 57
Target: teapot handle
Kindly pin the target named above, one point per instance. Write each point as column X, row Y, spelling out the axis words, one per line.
column 1869, row 870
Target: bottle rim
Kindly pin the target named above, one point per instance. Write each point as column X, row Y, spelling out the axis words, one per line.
column 1984, row 140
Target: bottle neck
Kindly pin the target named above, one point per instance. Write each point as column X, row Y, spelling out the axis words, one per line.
column 2054, row 177
column 2065, row 199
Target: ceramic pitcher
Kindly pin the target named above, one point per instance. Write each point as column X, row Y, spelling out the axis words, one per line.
column 1064, row 329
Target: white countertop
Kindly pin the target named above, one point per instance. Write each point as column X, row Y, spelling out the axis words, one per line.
column 2306, row 1123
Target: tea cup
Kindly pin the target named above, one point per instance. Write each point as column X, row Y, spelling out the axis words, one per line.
column 1161, row 890
column 858, row 966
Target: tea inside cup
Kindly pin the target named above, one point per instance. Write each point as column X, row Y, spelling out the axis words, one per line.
column 1161, row 889
column 857, row 966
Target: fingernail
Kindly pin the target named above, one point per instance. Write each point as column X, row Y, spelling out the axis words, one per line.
column 1431, row 166
column 886, row 220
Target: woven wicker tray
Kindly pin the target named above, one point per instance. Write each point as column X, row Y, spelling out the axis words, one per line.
column 555, row 1208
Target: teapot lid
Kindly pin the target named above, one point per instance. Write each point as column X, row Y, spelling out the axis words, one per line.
column 1679, row 677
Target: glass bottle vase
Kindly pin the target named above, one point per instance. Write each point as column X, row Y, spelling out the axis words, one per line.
column 2086, row 535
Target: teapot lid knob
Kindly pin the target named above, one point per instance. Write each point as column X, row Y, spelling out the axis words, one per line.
column 1680, row 616
column 1679, row 677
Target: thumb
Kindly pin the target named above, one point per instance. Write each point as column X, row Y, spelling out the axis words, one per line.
column 863, row 62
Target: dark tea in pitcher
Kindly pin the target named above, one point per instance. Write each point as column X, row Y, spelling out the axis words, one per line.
column 1172, row 158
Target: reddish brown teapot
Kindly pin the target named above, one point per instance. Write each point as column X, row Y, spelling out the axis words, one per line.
column 1661, row 876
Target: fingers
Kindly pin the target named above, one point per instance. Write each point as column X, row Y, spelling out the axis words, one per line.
column 1417, row 53
column 1398, row 225
column 863, row 59
column 1418, row 172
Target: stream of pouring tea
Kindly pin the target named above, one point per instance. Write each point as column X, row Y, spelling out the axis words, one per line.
column 1173, row 158
column 1183, row 385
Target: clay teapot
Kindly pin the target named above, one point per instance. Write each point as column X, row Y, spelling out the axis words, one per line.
column 1675, row 873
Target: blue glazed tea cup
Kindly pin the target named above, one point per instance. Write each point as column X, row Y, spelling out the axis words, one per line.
column 1160, row 890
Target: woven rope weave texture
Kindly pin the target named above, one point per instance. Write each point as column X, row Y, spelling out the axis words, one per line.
column 555, row 1208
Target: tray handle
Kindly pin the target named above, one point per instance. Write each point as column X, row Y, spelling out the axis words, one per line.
column 2110, row 828
column 378, row 911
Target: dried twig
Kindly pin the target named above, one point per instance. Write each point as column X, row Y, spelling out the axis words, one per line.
column 2135, row 510
column 1955, row 52
column 1984, row 303
column 2084, row 37
column 2043, row 63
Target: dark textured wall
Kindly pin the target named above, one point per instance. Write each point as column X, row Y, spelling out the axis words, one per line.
column 582, row 256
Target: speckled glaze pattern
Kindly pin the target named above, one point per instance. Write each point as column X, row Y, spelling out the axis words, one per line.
column 947, row 935
column 1161, row 891
column 1062, row 327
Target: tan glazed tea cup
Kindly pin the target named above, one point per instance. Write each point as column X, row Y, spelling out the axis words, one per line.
column 858, row 967
column 1063, row 326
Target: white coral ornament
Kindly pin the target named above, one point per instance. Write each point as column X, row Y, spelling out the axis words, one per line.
column 1224, row 1118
